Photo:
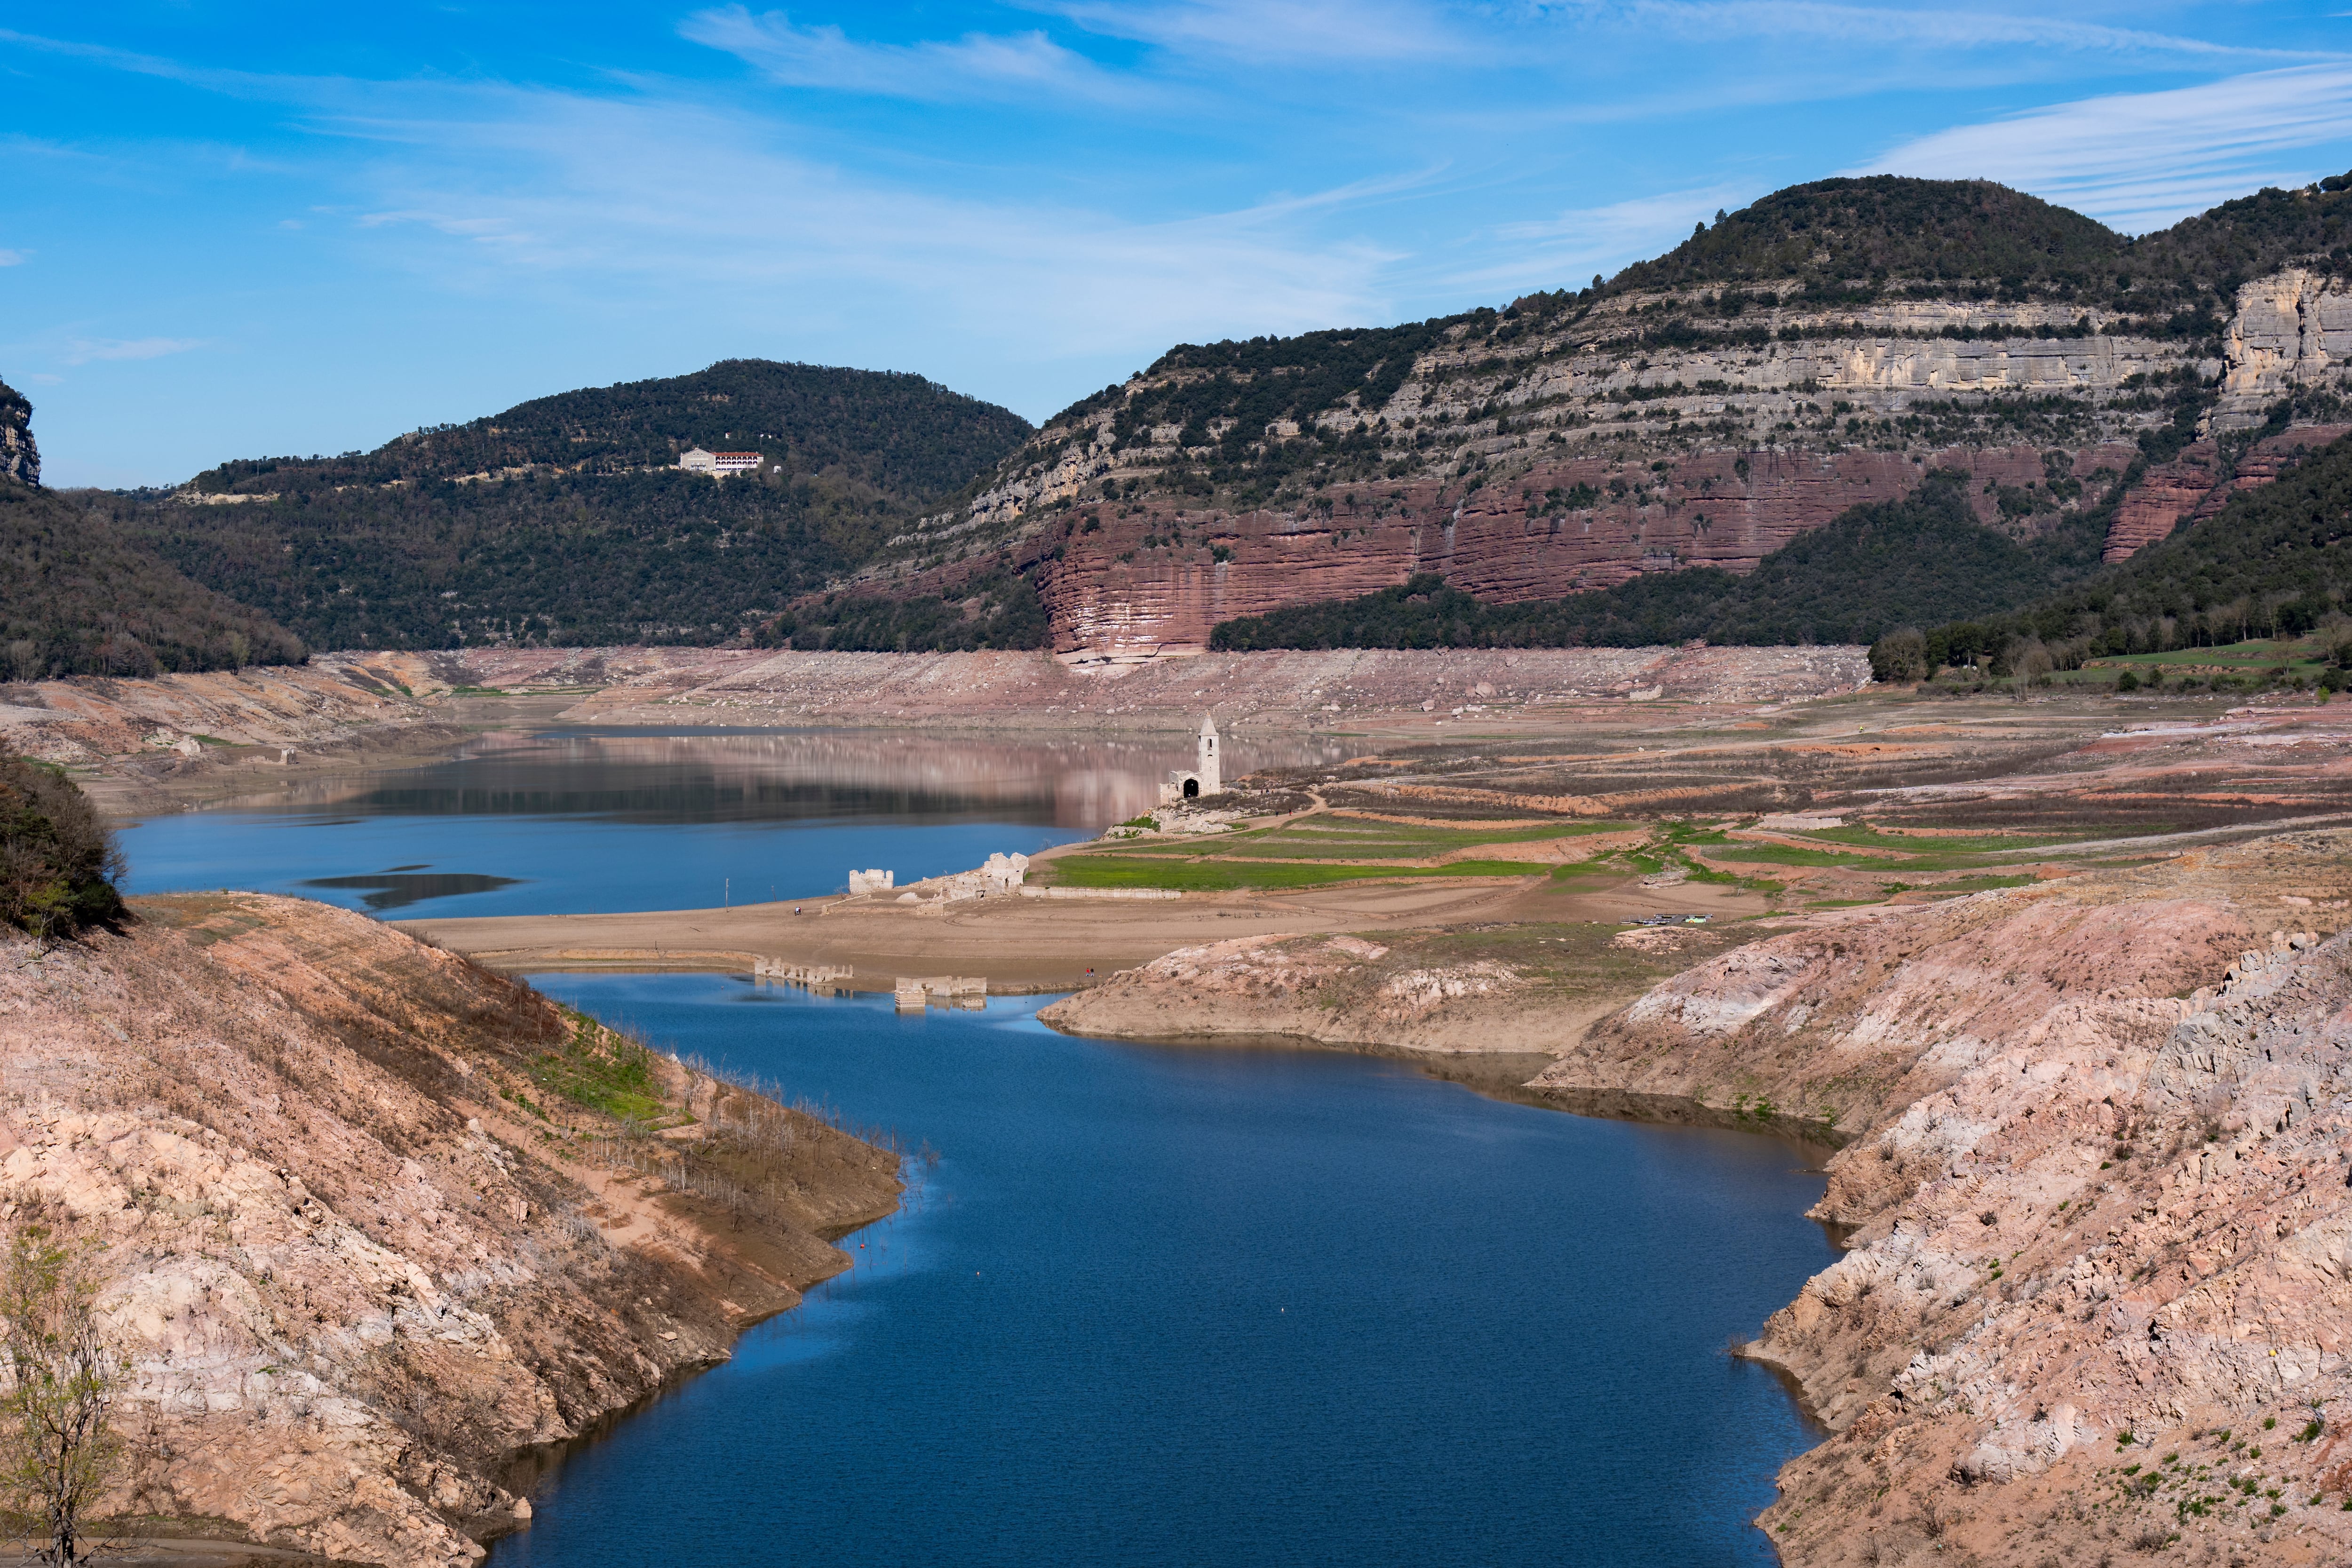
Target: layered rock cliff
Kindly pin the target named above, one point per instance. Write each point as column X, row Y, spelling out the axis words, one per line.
column 360, row 1248
column 1576, row 440
column 19, row 460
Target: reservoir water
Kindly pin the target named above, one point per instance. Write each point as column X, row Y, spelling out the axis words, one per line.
column 1214, row 1305
column 1151, row 1305
column 573, row 821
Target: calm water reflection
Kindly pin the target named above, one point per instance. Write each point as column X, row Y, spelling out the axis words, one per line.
column 576, row 821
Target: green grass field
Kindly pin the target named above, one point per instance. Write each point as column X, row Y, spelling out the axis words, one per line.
column 1230, row 876
column 2304, row 654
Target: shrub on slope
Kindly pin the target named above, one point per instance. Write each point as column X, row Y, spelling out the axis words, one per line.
column 57, row 859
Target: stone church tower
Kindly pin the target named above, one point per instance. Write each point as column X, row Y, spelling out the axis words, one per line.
column 1207, row 774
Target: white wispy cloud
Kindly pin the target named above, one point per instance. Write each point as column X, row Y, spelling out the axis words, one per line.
column 11, row 258
column 557, row 186
column 1567, row 250
column 2140, row 161
column 82, row 351
column 976, row 66
column 1940, row 28
column 1281, row 31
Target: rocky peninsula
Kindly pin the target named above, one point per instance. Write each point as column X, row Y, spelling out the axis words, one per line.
column 376, row 1221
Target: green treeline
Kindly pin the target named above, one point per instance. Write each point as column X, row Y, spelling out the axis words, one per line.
column 571, row 559
column 77, row 598
column 2272, row 562
column 895, row 433
column 1873, row 568
column 1885, row 237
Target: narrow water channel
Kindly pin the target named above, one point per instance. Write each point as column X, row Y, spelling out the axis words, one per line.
column 1213, row 1306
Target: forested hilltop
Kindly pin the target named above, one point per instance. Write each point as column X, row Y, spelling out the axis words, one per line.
column 564, row 520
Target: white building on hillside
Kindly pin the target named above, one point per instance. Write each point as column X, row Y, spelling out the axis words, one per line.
column 695, row 460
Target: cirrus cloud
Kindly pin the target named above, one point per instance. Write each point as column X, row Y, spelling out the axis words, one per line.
column 82, row 351
column 976, row 66
column 2141, row 160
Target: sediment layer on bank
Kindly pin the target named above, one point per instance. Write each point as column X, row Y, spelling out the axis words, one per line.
column 2093, row 1184
column 373, row 1219
column 2090, row 1160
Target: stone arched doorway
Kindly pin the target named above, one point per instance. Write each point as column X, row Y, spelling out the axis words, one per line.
column 1191, row 789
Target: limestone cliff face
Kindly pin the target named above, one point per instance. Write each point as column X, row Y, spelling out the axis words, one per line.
column 19, row 460
column 2292, row 331
column 1648, row 432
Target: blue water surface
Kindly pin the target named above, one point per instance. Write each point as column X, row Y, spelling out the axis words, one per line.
column 1215, row 1305
column 572, row 822
column 498, row 864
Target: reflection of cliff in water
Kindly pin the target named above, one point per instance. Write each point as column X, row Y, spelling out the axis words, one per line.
column 769, row 775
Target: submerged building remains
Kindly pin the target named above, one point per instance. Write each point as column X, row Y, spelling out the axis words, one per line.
column 1206, row 776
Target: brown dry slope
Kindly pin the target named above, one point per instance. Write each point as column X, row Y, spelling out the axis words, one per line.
column 2099, row 1293
column 359, row 1247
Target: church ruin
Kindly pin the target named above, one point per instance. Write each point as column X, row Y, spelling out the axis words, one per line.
column 1205, row 776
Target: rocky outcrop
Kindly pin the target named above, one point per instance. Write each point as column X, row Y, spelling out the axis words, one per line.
column 2165, row 493
column 356, row 1253
column 2292, row 331
column 19, row 460
column 2201, row 482
column 2095, row 1192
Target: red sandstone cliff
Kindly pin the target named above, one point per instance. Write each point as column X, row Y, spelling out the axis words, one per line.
column 2191, row 487
column 1153, row 576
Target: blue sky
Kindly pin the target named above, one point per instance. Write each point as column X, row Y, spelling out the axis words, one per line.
column 238, row 230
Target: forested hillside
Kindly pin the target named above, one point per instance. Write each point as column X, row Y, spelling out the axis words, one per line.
column 562, row 520
column 78, row 598
column 2275, row 561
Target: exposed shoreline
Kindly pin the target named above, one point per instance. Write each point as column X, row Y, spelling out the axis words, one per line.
column 1970, row 1061
column 363, row 1243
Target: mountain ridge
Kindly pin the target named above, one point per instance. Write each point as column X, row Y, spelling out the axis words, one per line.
column 1674, row 416
column 566, row 519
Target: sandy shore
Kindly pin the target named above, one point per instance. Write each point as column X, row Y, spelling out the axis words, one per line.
column 1028, row 945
